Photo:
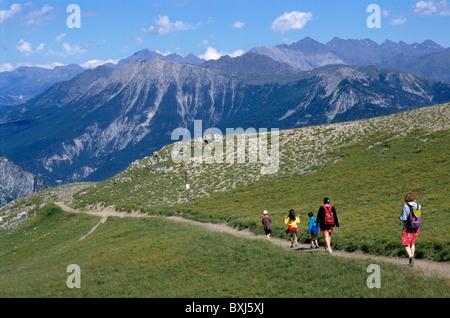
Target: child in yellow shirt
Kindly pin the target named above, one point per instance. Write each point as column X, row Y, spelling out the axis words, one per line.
column 292, row 222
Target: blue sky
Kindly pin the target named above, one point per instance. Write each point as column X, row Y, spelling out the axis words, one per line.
column 35, row 32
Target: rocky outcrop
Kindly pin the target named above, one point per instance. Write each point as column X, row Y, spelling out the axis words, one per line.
column 16, row 182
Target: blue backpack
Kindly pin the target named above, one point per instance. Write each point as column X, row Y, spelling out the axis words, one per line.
column 315, row 228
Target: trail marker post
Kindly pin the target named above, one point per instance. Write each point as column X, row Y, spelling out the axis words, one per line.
column 187, row 186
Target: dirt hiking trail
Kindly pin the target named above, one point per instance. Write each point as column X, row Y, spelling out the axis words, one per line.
column 431, row 268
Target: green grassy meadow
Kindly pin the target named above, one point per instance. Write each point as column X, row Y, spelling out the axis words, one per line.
column 367, row 189
column 154, row 257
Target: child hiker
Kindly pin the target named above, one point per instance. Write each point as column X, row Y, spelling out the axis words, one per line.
column 292, row 222
column 313, row 230
column 266, row 220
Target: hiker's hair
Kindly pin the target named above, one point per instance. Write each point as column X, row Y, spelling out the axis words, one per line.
column 292, row 214
column 410, row 196
column 326, row 200
column 310, row 214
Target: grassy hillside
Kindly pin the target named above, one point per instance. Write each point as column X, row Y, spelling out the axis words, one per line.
column 365, row 167
column 367, row 189
column 153, row 257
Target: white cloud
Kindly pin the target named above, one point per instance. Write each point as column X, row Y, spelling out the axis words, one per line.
column 40, row 47
column 24, row 47
column 291, row 21
column 212, row 54
column 60, row 37
column 38, row 16
column 6, row 15
column 30, row 19
column 236, row 53
column 432, row 8
column 74, row 49
column 164, row 54
column 203, row 43
column 48, row 66
column 94, row 63
column 136, row 39
column 238, row 24
column 398, row 21
column 163, row 26
column 7, row 67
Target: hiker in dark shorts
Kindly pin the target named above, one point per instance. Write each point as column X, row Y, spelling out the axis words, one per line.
column 313, row 230
column 292, row 222
column 266, row 221
column 327, row 220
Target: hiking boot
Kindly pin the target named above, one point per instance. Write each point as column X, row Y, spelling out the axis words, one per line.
column 317, row 246
column 312, row 247
column 411, row 262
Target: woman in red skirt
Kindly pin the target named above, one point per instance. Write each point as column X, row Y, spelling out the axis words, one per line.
column 409, row 235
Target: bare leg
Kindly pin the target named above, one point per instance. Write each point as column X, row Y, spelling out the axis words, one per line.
column 328, row 241
column 408, row 250
column 327, row 238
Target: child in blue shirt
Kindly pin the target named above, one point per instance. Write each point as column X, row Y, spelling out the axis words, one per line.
column 313, row 231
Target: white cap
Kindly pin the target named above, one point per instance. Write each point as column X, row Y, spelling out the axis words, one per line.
column 265, row 212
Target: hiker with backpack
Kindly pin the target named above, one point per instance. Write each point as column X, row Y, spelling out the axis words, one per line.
column 327, row 220
column 411, row 217
column 292, row 222
column 313, row 231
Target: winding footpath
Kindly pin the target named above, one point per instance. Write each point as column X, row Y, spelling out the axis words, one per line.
column 431, row 268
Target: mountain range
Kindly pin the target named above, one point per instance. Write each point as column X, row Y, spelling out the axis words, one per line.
column 249, row 63
column 427, row 59
column 308, row 54
column 147, row 54
column 19, row 85
column 432, row 65
column 94, row 125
